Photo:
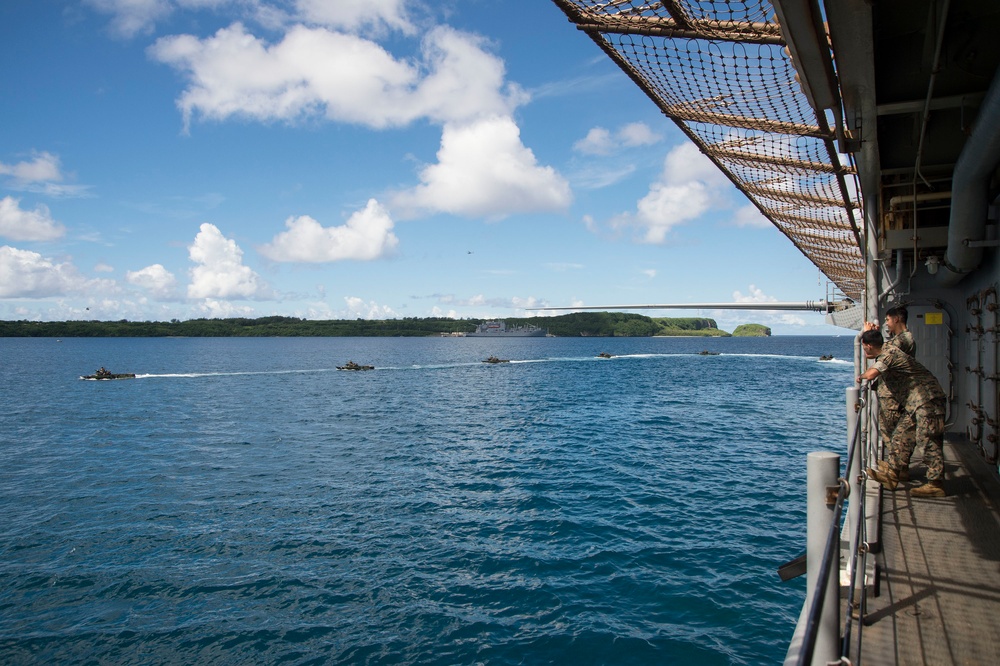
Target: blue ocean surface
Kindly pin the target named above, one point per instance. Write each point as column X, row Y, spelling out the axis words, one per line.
column 243, row 502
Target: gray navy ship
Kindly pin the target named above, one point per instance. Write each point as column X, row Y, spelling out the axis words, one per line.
column 499, row 329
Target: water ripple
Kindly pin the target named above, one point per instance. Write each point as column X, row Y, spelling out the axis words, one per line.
column 230, row 507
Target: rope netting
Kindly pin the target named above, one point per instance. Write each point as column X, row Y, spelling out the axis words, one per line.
column 719, row 70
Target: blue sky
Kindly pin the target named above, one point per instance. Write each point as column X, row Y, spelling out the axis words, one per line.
column 332, row 159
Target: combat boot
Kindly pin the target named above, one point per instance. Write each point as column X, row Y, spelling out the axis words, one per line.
column 929, row 489
column 902, row 474
column 887, row 478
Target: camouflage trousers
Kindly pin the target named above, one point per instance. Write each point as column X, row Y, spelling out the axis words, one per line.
column 929, row 433
column 898, row 431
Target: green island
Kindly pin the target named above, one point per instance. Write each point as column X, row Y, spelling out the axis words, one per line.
column 585, row 324
column 752, row 331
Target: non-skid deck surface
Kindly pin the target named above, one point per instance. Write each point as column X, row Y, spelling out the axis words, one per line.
column 939, row 601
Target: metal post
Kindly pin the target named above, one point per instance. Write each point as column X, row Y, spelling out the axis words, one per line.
column 822, row 471
column 854, row 515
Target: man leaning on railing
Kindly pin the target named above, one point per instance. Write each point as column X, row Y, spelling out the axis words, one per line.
column 917, row 390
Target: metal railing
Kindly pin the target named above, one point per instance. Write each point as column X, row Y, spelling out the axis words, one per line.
column 817, row 634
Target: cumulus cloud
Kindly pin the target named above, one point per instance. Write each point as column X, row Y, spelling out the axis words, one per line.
column 366, row 236
column 318, row 72
column 757, row 295
column 43, row 174
column 683, row 192
column 26, row 274
column 601, row 141
column 359, row 309
column 483, row 169
column 220, row 272
column 27, row 225
column 354, row 15
column 214, row 309
column 156, row 279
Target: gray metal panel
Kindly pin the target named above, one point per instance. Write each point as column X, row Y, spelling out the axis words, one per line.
column 933, row 342
column 902, row 239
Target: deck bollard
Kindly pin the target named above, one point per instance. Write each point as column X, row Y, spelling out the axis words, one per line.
column 857, row 485
column 822, row 472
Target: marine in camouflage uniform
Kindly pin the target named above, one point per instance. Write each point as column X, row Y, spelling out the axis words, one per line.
column 920, row 395
column 896, row 428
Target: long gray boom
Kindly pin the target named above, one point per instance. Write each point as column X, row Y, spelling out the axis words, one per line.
column 811, row 306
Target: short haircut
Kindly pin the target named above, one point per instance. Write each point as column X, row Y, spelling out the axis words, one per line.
column 898, row 311
column 873, row 338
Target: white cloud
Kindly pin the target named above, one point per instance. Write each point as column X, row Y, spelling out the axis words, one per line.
column 353, row 15
column 449, row 314
column 26, row 274
column 771, row 317
column 597, row 142
column 44, row 167
column 220, row 272
column 358, row 308
column 684, row 191
column 638, row 134
column 156, row 279
column 42, row 174
column 317, row 72
column 755, row 296
column 133, row 17
column 27, row 225
column 130, row 18
column 484, row 170
column 601, row 141
column 214, row 309
column 750, row 216
column 102, row 267
column 366, row 236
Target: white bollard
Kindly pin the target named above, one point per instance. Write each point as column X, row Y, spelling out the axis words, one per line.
column 822, row 472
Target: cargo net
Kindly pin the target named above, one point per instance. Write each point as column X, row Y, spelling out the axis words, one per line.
column 720, row 72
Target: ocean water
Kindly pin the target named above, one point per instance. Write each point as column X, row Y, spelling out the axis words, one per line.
column 243, row 502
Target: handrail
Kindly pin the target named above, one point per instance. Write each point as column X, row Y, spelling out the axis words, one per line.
column 830, row 552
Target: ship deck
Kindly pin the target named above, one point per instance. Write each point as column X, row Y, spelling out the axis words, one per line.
column 938, row 590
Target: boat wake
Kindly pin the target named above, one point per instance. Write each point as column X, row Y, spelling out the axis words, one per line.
column 478, row 363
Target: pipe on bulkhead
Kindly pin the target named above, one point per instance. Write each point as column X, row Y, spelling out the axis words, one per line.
column 970, row 191
column 898, row 278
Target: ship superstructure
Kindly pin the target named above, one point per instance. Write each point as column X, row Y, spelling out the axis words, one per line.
column 500, row 329
column 869, row 134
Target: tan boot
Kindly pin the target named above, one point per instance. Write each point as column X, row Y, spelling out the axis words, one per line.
column 902, row 474
column 887, row 478
column 929, row 489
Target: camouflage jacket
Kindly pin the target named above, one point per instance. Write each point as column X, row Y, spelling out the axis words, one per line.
column 905, row 343
column 910, row 383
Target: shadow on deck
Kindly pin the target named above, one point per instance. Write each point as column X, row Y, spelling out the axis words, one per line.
column 939, row 570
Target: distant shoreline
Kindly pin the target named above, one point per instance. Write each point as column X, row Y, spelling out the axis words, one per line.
column 585, row 324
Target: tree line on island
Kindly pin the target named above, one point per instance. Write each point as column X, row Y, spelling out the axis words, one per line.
column 587, row 324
